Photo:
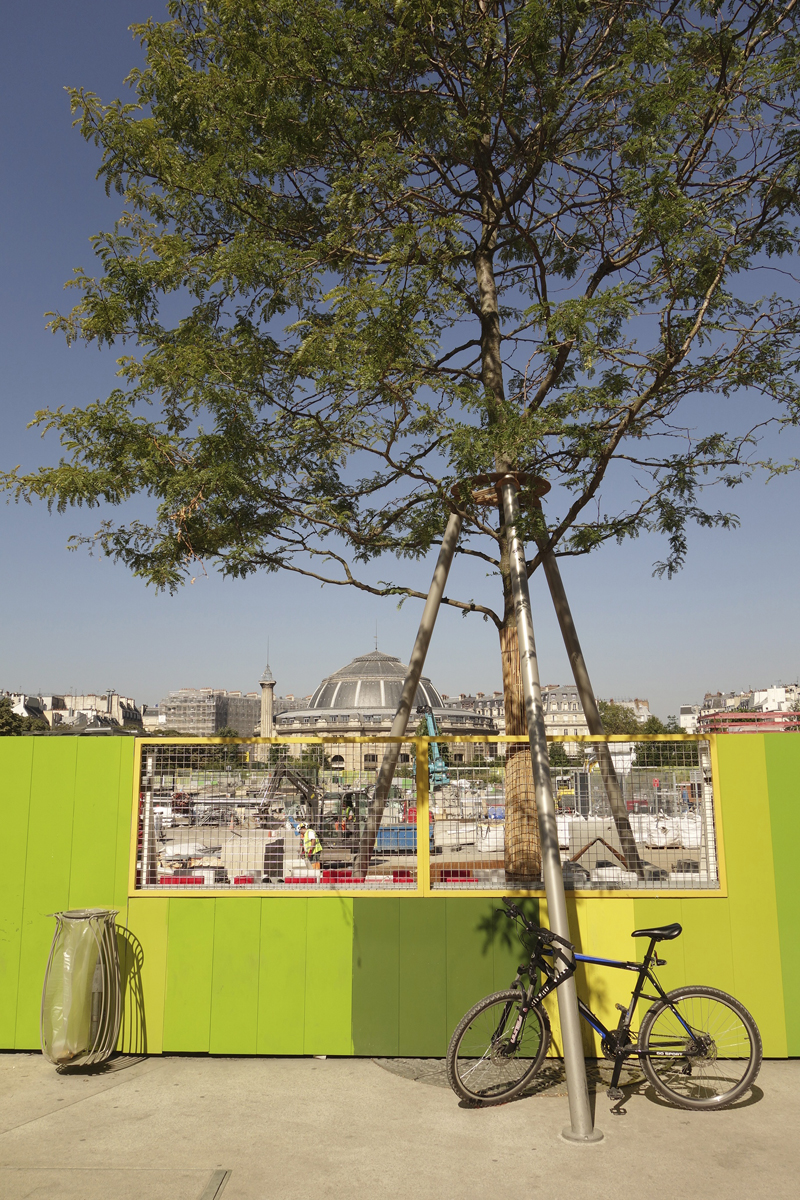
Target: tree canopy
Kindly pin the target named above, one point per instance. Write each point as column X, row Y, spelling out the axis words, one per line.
column 13, row 725
column 368, row 251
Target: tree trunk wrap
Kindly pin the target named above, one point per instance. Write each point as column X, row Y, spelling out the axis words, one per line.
column 523, row 857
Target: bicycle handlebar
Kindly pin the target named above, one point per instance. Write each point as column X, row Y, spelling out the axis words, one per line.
column 546, row 936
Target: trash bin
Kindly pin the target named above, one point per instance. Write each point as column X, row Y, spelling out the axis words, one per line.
column 81, row 995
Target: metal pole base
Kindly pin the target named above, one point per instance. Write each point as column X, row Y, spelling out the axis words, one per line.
column 569, row 1135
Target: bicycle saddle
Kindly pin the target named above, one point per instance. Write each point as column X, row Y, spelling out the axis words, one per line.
column 660, row 933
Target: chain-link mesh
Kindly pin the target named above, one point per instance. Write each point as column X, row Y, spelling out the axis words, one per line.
column 663, row 792
column 243, row 815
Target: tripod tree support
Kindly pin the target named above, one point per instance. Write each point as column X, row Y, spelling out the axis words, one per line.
column 415, row 664
column 581, row 1127
column 593, row 719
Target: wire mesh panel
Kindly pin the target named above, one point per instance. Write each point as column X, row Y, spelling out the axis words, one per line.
column 664, row 792
column 244, row 816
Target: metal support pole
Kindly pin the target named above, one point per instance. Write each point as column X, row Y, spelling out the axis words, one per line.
column 580, row 1112
column 410, row 684
column 593, row 719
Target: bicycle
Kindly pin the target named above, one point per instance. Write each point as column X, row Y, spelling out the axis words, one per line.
column 699, row 1047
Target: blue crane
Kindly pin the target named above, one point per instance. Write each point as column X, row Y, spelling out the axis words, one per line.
column 437, row 770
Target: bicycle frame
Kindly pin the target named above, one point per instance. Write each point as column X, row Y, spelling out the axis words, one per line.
column 617, row 1044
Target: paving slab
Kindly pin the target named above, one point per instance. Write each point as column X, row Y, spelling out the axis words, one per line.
column 344, row 1127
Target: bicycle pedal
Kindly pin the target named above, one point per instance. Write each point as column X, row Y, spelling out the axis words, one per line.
column 615, row 1093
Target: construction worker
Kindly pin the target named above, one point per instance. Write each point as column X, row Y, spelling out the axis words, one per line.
column 312, row 846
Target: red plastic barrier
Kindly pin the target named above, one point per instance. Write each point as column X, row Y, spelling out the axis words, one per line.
column 181, row 879
column 244, row 879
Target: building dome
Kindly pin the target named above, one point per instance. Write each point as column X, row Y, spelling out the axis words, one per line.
column 361, row 699
column 373, row 680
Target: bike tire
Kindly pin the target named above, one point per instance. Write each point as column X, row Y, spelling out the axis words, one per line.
column 484, row 1031
column 728, row 1061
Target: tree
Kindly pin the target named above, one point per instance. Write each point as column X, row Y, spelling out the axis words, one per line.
column 619, row 719
column 10, row 722
column 560, row 758
column 419, row 243
column 13, row 725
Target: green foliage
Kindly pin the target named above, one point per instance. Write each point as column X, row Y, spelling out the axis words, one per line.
column 560, row 758
column 35, row 725
column 13, row 725
column 10, row 722
column 413, row 243
column 227, row 732
column 617, row 719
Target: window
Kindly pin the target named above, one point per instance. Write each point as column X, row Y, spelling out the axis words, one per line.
column 371, row 760
column 337, row 761
column 458, row 758
column 404, row 758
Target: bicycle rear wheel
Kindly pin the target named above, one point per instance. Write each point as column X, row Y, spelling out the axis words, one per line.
column 486, row 1063
column 700, row 1048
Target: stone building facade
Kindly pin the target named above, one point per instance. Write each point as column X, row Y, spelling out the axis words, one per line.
column 361, row 699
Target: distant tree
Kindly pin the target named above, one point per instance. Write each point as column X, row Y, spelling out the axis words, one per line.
column 35, row 725
column 10, row 722
column 560, row 758
column 227, row 731
column 619, row 719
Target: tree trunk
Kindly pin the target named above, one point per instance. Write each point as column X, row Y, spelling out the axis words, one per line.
column 523, row 855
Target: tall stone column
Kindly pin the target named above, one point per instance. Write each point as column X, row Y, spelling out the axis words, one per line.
column 267, row 684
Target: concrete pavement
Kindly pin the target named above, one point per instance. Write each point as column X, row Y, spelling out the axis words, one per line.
column 166, row 1128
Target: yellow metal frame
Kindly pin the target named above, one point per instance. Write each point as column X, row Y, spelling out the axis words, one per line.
column 423, row 887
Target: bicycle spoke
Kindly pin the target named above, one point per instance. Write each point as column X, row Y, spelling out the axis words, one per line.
column 485, row 1062
column 701, row 1048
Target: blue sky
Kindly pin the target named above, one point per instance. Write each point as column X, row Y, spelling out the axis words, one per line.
column 729, row 620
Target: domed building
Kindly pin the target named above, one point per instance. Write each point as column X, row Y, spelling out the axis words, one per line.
column 361, row 699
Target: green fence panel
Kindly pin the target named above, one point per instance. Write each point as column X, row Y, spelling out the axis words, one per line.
column 376, row 975
column 329, row 976
column 660, row 912
column 190, row 956
column 95, row 826
column 124, row 822
column 47, row 872
column 708, row 946
column 234, row 988
column 782, row 752
column 470, row 954
column 16, row 760
column 507, row 949
column 282, row 975
column 751, row 884
column 422, row 978
column 145, row 981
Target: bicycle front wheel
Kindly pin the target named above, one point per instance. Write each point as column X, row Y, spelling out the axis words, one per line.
column 700, row 1048
column 497, row 1049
